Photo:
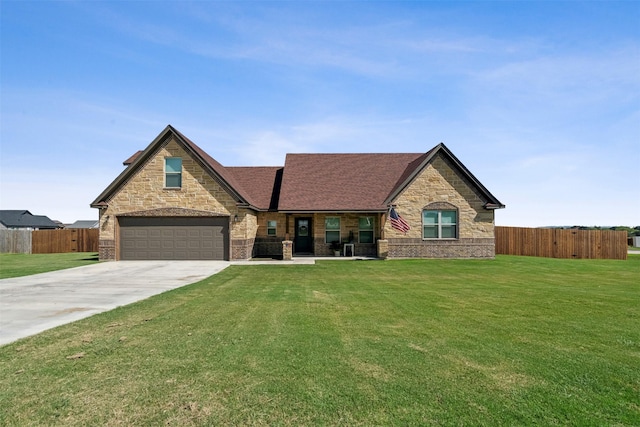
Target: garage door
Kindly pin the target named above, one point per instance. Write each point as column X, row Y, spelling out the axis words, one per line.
column 174, row 238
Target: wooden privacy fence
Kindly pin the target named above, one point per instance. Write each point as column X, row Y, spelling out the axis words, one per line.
column 49, row 241
column 15, row 241
column 561, row 243
column 62, row 241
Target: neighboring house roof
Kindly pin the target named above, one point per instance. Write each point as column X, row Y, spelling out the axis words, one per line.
column 84, row 224
column 311, row 182
column 24, row 219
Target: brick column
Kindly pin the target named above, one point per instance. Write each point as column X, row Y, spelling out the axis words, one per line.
column 107, row 250
column 287, row 250
column 383, row 249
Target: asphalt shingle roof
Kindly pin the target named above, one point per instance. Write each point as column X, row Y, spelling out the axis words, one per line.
column 260, row 184
column 87, row 223
column 341, row 182
column 24, row 219
column 311, row 182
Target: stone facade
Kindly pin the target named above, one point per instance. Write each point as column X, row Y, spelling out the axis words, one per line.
column 439, row 186
column 243, row 234
column 144, row 194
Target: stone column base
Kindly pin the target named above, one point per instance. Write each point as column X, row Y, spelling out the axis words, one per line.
column 287, row 250
column 383, row 249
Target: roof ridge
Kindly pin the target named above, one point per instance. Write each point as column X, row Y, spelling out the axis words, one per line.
column 217, row 167
column 248, row 167
column 351, row 154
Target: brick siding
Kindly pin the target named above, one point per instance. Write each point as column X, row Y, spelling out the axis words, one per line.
column 460, row 248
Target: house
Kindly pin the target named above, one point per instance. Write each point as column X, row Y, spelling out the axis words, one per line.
column 83, row 223
column 174, row 201
column 23, row 219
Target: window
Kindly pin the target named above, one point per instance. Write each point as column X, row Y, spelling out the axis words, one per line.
column 332, row 229
column 271, row 228
column 173, row 172
column 365, row 229
column 439, row 224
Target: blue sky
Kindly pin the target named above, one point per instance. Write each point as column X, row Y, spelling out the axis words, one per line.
column 540, row 99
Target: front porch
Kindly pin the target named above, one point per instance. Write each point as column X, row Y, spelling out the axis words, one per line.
column 319, row 234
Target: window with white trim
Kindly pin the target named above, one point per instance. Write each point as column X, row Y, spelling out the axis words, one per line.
column 332, row 229
column 365, row 229
column 272, row 228
column 173, row 172
column 439, row 224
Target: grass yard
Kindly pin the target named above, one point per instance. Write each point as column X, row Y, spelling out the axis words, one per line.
column 15, row 265
column 515, row 341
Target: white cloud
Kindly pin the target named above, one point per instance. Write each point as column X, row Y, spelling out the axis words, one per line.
column 266, row 148
column 269, row 146
column 565, row 85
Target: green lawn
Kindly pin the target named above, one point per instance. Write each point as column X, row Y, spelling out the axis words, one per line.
column 515, row 341
column 15, row 265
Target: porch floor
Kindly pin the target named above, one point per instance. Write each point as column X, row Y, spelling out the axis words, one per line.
column 301, row 260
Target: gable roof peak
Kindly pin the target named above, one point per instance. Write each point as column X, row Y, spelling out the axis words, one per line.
column 215, row 169
column 491, row 202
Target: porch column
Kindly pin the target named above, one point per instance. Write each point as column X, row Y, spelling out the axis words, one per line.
column 287, row 250
column 383, row 249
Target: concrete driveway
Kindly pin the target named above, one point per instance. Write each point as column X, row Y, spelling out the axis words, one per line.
column 32, row 304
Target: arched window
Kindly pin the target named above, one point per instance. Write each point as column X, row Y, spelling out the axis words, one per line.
column 440, row 221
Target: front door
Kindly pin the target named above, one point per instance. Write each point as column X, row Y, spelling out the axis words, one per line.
column 304, row 236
